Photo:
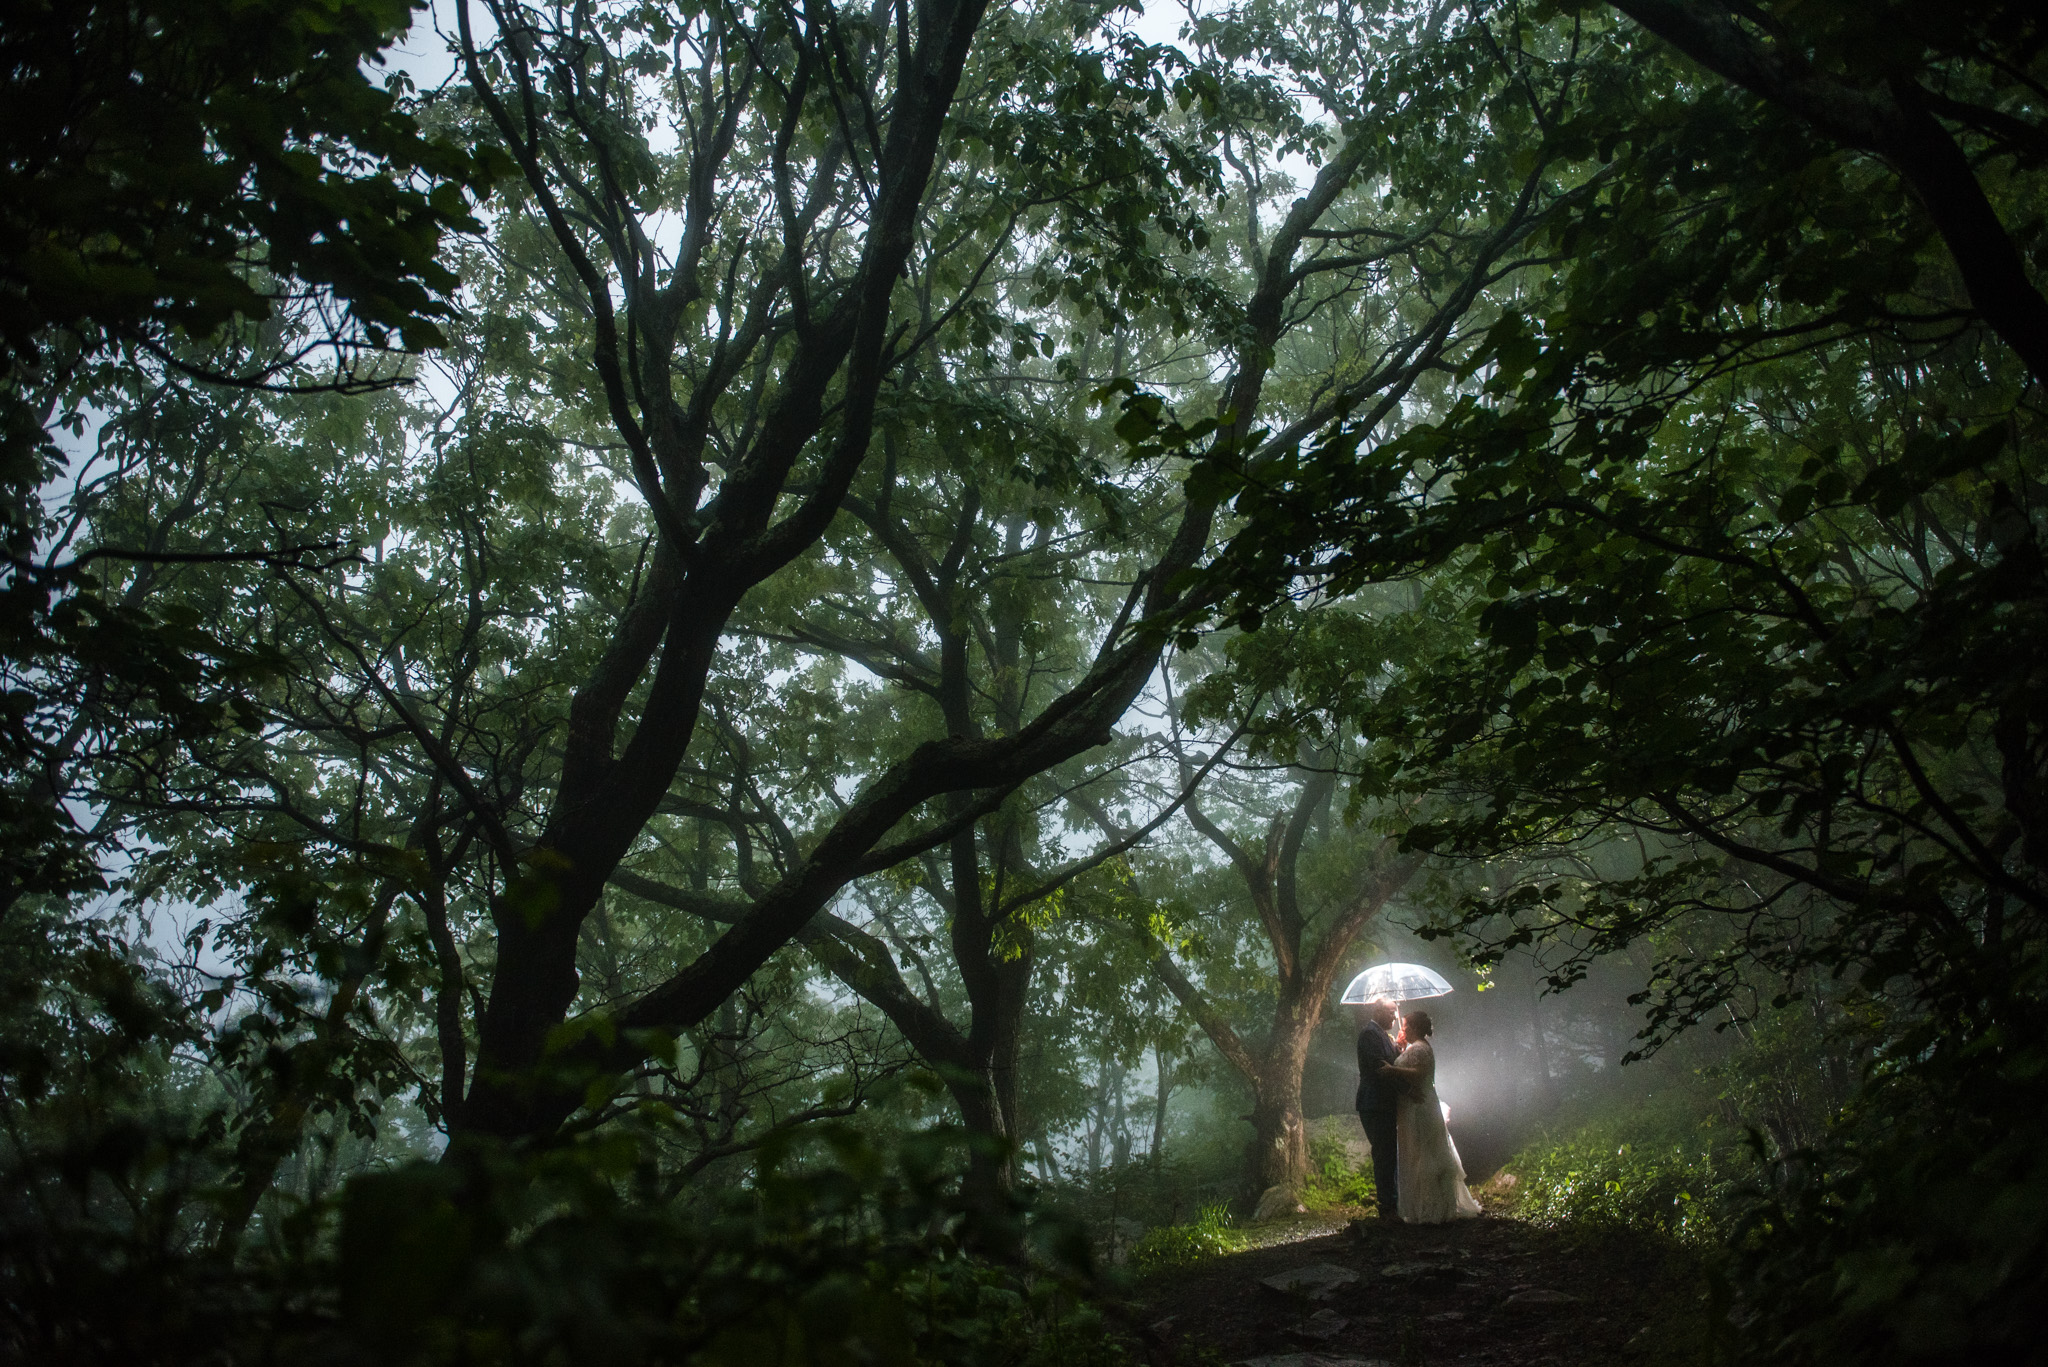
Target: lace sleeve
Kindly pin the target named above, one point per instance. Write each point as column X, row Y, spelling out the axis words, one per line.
column 1422, row 1058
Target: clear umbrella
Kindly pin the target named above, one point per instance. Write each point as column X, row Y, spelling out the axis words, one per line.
column 1396, row 983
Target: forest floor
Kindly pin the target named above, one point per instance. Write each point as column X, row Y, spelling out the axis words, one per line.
column 1490, row 1292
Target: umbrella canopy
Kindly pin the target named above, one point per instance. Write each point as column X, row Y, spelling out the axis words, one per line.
column 1396, row 983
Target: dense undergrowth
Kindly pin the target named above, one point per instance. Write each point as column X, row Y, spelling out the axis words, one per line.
column 1603, row 1176
column 1903, row 1225
column 846, row 1255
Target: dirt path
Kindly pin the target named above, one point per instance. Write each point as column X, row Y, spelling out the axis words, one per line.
column 1490, row 1291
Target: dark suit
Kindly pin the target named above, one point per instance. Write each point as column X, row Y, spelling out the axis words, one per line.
column 1378, row 1098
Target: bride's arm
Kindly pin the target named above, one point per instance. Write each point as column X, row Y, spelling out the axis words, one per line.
column 1410, row 1079
column 1413, row 1069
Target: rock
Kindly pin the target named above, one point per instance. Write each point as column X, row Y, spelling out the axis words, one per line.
column 1317, row 1281
column 1117, row 1242
column 1446, row 1317
column 1419, row 1272
column 1346, row 1130
column 1275, row 1202
column 1537, row 1298
column 1320, row 1327
column 1161, row 1328
column 1311, row 1360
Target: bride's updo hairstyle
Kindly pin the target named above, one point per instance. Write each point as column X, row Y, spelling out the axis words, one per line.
column 1418, row 1024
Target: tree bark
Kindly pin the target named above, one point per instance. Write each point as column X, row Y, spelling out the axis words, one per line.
column 1163, row 1090
column 1278, row 1156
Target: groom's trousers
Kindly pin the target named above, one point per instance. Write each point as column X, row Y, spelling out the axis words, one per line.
column 1379, row 1132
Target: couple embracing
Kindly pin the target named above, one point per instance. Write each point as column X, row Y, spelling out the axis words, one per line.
column 1414, row 1164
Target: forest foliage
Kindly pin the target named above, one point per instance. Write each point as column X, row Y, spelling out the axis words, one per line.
column 736, row 685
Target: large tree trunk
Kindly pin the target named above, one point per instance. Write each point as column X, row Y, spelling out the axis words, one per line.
column 990, row 1167
column 1278, row 1156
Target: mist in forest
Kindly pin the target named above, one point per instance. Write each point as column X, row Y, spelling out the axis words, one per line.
column 699, row 684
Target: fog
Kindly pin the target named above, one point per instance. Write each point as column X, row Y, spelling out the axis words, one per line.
column 1511, row 1058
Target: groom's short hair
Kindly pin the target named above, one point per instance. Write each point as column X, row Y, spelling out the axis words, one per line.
column 1380, row 1011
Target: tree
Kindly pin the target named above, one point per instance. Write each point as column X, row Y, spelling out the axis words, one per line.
column 1777, row 477
column 1743, row 504
column 776, row 347
column 1931, row 96
column 829, row 336
column 426, row 757
column 1282, row 299
column 1427, row 241
column 1308, row 944
column 170, row 170
column 979, row 620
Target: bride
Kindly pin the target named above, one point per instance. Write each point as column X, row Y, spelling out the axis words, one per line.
column 1431, row 1177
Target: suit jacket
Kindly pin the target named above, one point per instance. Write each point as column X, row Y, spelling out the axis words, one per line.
column 1376, row 1095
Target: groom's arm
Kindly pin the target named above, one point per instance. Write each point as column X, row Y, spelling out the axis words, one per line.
column 1376, row 1056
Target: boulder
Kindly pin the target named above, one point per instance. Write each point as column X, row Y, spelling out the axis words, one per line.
column 1537, row 1298
column 1276, row 1202
column 1342, row 1129
column 1116, row 1242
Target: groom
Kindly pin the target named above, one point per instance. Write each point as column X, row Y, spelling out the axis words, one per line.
column 1379, row 1090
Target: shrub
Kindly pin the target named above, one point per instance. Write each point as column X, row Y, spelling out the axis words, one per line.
column 1333, row 1179
column 1596, row 1179
column 1918, row 1235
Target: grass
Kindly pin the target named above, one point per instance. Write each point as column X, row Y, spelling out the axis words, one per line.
column 1211, row 1235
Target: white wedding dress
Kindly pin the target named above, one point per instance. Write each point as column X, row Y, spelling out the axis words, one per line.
column 1431, row 1177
